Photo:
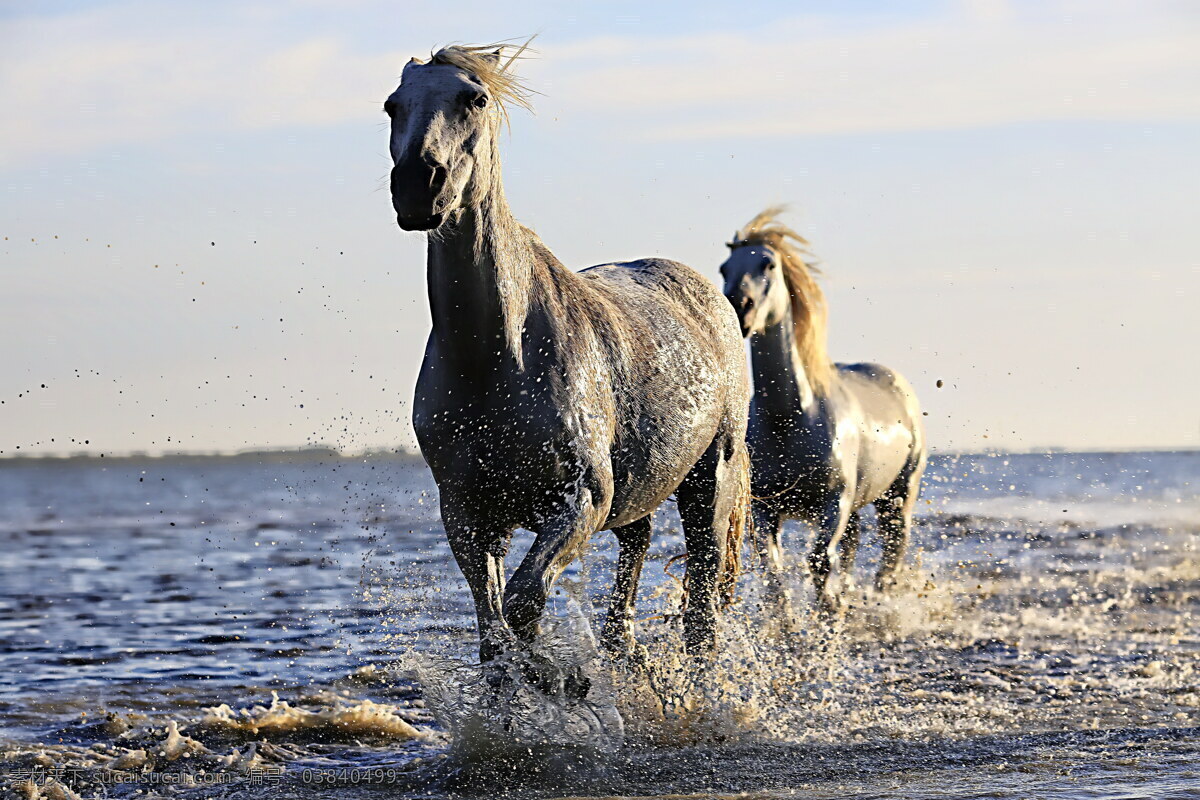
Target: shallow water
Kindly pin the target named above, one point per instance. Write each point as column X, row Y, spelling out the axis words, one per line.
column 243, row 628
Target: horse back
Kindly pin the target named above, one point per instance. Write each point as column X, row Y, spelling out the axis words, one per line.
column 655, row 311
column 656, row 292
column 678, row 369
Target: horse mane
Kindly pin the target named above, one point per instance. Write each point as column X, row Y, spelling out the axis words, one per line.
column 514, row 244
column 809, row 309
column 491, row 64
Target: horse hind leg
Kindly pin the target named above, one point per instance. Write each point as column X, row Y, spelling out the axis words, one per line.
column 894, row 511
column 617, row 634
column 713, row 501
column 848, row 548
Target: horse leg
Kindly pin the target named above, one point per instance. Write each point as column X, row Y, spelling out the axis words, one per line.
column 848, row 548
column 766, row 538
column 831, row 524
column 895, row 523
column 617, row 635
column 480, row 557
column 558, row 543
column 706, row 499
column 767, row 527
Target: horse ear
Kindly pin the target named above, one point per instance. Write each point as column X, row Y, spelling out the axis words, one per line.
column 493, row 56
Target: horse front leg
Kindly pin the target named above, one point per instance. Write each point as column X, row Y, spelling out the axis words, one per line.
column 767, row 525
column 848, row 547
column 558, row 543
column 767, row 530
column 831, row 525
column 617, row 635
column 480, row 556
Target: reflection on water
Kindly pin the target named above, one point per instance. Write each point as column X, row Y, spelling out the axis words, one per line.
column 300, row 625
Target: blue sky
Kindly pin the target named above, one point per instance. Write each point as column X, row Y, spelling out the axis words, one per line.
column 1002, row 195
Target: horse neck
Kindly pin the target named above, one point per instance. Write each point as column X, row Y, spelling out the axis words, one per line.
column 481, row 274
column 781, row 384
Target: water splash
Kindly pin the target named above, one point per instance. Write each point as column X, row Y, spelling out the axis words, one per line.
column 503, row 711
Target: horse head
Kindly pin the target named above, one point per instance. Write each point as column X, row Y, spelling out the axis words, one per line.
column 768, row 278
column 755, row 285
column 445, row 117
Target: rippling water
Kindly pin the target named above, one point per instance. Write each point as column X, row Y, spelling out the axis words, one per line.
column 232, row 627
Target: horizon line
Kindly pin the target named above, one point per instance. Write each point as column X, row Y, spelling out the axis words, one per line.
column 405, row 453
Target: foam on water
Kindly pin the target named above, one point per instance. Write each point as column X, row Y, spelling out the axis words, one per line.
column 340, row 720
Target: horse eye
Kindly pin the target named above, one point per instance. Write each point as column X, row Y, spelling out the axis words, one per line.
column 480, row 100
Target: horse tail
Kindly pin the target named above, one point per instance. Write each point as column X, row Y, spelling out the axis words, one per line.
column 741, row 520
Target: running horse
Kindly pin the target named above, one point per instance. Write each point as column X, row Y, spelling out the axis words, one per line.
column 559, row 402
column 825, row 439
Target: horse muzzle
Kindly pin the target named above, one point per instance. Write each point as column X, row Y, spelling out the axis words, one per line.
column 418, row 194
column 428, row 223
column 743, row 307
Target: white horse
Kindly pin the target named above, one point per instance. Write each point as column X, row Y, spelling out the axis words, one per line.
column 563, row 403
column 825, row 439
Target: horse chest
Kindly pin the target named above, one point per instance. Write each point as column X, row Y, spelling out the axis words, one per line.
column 478, row 432
column 517, row 454
column 796, row 460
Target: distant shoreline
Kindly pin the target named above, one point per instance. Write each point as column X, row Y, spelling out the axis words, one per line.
column 312, row 454
column 286, row 455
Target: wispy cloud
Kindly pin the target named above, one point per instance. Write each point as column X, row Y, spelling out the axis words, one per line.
column 113, row 77
column 132, row 73
column 980, row 64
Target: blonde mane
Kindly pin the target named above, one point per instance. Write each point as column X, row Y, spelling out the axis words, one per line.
column 809, row 310
column 491, row 64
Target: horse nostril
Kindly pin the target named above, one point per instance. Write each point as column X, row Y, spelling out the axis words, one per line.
column 747, row 302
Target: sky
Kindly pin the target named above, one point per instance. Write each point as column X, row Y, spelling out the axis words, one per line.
column 199, row 251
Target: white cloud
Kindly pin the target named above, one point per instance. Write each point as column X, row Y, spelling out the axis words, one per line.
column 985, row 65
column 108, row 77
column 132, row 73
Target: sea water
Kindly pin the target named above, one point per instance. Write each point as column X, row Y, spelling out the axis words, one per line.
column 255, row 627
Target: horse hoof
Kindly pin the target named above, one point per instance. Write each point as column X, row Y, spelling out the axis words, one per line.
column 552, row 680
column 829, row 607
column 497, row 677
column 576, row 685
